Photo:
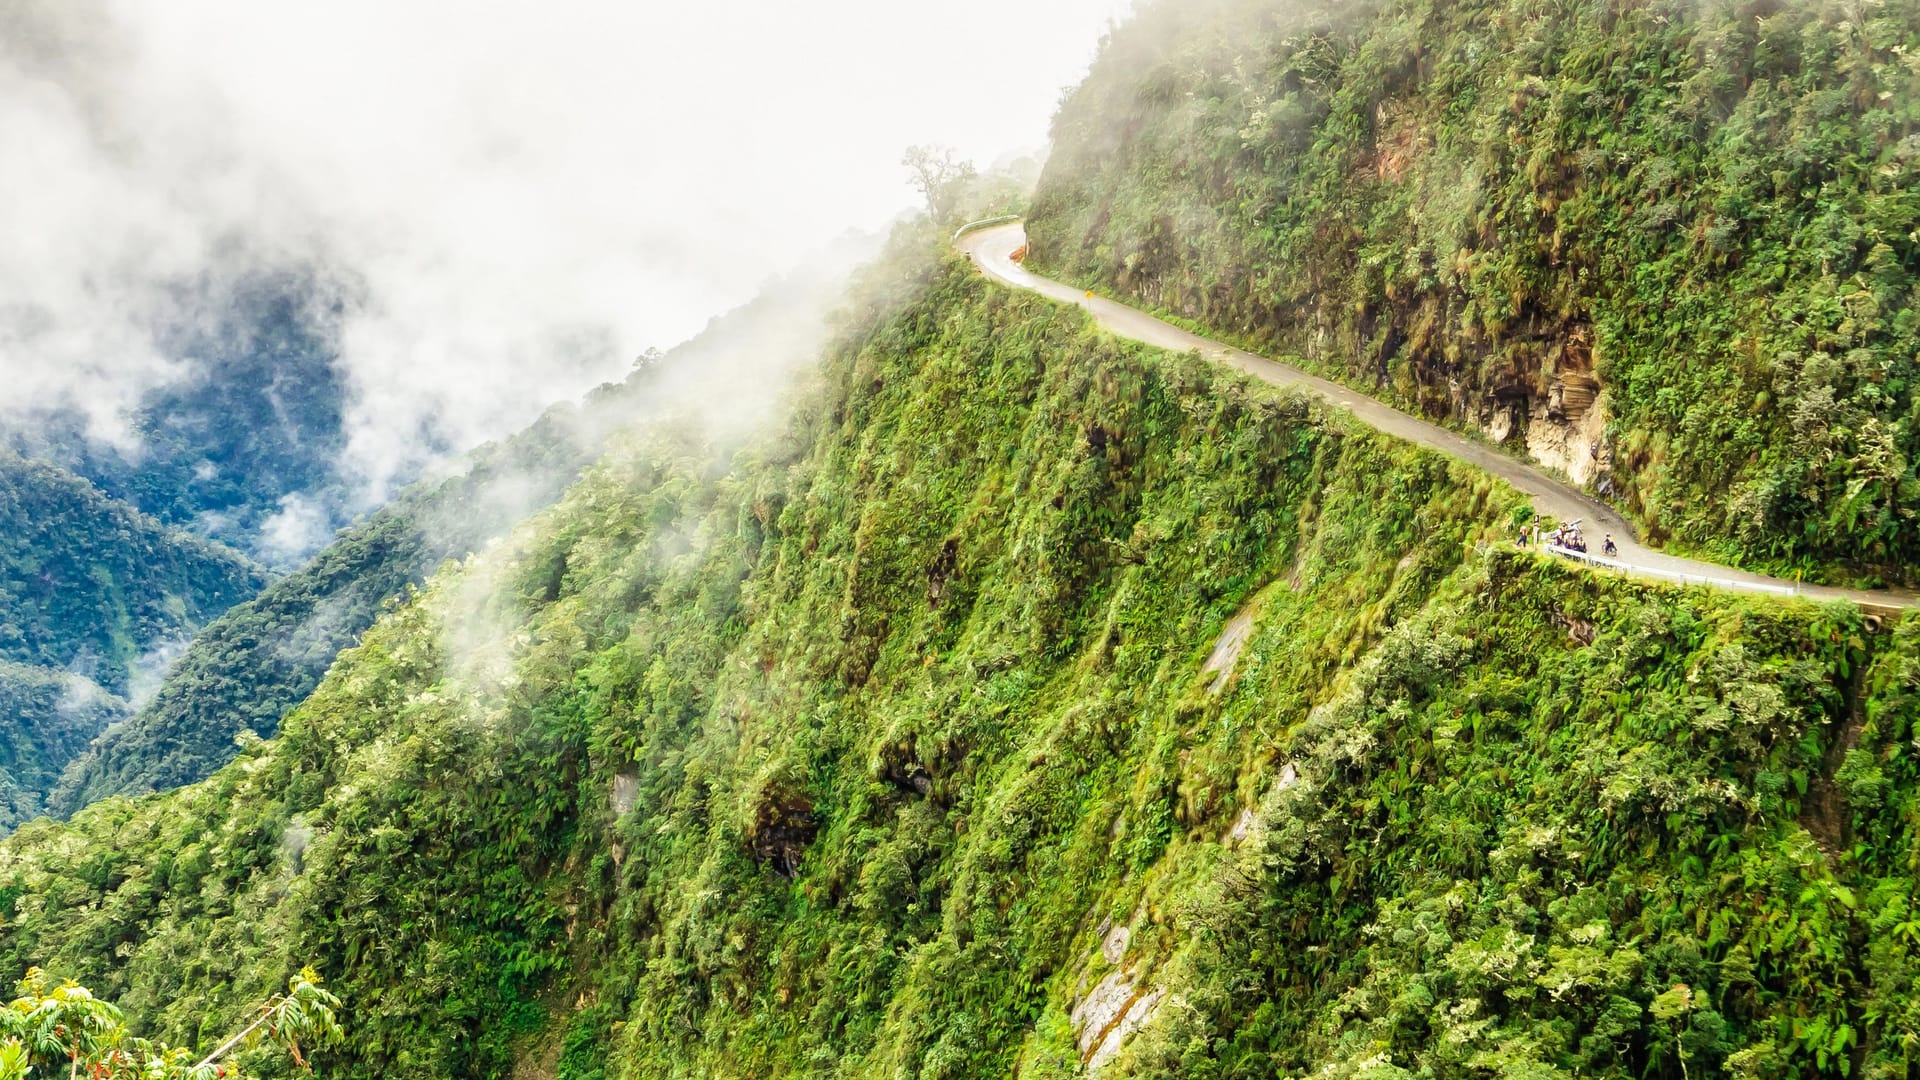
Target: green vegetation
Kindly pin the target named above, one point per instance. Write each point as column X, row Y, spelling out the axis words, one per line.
column 46, row 718
column 1711, row 205
column 91, row 584
column 253, row 414
column 48, row 1027
column 956, row 192
column 870, row 751
column 247, row 669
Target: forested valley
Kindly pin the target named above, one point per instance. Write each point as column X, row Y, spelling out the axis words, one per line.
column 911, row 678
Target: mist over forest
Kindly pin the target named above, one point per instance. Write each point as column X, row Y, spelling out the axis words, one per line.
column 377, row 238
column 1120, row 540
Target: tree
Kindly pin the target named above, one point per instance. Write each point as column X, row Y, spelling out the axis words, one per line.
column 48, row 1027
column 1671, row 1008
column 939, row 178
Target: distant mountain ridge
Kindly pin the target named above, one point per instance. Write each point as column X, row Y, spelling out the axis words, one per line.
column 250, row 667
column 91, row 584
column 96, row 598
column 46, row 717
column 250, row 428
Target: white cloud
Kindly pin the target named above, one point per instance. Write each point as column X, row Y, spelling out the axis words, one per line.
column 150, row 669
column 300, row 527
column 511, row 200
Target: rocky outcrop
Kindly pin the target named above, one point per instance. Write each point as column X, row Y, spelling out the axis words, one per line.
column 1114, row 1009
column 1226, row 651
column 1119, row 1003
column 1560, row 415
column 783, row 826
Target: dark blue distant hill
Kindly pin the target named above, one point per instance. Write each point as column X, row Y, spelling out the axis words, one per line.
column 257, row 419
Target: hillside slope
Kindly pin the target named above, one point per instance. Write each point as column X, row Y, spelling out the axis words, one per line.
column 46, row 718
column 250, row 424
column 1667, row 247
column 1028, row 699
column 241, row 675
column 93, row 584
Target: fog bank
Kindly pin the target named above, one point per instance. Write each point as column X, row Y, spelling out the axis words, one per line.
column 496, row 206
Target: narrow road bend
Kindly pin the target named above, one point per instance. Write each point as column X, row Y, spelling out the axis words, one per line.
column 992, row 250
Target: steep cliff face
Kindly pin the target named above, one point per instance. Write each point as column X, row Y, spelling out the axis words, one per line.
column 1028, row 703
column 1666, row 246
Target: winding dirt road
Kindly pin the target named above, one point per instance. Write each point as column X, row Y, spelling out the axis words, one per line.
column 992, row 250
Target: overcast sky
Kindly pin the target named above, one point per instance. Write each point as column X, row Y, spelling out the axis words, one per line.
column 512, row 199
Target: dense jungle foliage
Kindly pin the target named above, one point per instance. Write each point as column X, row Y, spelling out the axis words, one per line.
column 92, row 584
column 50, row 1027
column 869, row 749
column 246, row 669
column 46, row 718
column 1712, row 205
column 242, row 673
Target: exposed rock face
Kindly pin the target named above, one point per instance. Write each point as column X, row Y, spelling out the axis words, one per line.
column 1249, row 820
column 1226, row 651
column 900, row 765
column 1104, row 1016
column 783, row 827
column 1242, row 828
column 1572, row 438
column 1579, row 631
column 1563, row 427
column 626, row 792
column 620, row 802
column 1114, row 1009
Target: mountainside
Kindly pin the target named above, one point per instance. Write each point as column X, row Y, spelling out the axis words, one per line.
column 46, row 718
column 93, row 585
column 242, row 674
column 1027, row 701
column 246, row 669
column 248, row 430
column 1669, row 247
